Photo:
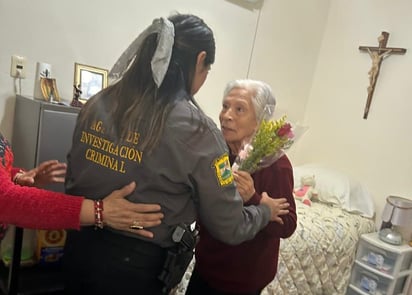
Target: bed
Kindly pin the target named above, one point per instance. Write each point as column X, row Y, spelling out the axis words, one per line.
column 318, row 257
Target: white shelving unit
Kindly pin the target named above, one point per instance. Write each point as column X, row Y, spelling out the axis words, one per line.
column 381, row 268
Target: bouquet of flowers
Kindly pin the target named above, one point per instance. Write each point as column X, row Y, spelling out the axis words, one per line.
column 269, row 143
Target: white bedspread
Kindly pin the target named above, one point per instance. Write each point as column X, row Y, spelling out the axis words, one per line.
column 318, row 257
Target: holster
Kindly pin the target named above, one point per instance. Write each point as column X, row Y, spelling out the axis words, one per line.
column 178, row 257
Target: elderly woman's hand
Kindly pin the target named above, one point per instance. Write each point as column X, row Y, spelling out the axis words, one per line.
column 244, row 185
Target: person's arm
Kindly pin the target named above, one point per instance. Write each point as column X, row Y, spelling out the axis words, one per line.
column 246, row 189
column 118, row 213
column 30, row 207
column 245, row 185
column 219, row 205
column 47, row 172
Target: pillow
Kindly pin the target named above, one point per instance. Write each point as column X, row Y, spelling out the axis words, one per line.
column 337, row 188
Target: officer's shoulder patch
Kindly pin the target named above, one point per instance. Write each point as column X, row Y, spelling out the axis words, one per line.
column 223, row 171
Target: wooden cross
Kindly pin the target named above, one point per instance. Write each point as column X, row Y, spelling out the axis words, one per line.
column 377, row 54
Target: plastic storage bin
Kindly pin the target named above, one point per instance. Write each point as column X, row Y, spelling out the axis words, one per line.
column 382, row 259
column 374, row 283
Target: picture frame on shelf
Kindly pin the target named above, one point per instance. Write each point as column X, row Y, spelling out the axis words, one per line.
column 90, row 80
column 49, row 90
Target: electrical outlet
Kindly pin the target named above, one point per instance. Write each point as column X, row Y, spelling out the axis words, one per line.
column 18, row 66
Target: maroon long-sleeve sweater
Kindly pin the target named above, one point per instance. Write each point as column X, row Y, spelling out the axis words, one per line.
column 250, row 266
column 31, row 207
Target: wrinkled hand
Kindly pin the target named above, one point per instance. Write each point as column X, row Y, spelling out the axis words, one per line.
column 47, row 172
column 278, row 207
column 244, row 184
column 120, row 213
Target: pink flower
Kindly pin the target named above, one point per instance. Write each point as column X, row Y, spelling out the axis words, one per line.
column 242, row 154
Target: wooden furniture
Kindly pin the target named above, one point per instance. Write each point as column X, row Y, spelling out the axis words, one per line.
column 381, row 268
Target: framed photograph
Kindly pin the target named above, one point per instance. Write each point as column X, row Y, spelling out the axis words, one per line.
column 89, row 80
column 49, row 90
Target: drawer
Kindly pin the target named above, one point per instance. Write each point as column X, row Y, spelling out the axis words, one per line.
column 351, row 291
column 380, row 259
column 374, row 283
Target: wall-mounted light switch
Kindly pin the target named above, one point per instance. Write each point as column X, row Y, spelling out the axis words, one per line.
column 18, row 66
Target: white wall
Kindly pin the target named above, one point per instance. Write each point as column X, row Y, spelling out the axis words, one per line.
column 288, row 35
column 274, row 40
column 307, row 50
column 286, row 50
column 95, row 32
column 376, row 151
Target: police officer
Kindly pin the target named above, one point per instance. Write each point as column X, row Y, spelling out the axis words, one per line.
column 147, row 127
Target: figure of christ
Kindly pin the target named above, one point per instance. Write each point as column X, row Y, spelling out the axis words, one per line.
column 377, row 54
column 376, row 63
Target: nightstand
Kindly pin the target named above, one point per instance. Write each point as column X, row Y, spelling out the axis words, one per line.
column 380, row 268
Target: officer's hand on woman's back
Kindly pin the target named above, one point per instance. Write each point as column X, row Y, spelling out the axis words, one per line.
column 278, row 207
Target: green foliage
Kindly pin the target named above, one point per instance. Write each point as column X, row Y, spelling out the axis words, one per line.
column 266, row 142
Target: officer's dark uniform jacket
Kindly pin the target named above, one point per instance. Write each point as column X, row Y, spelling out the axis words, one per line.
column 188, row 174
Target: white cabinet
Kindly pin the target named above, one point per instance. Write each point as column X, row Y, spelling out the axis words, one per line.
column 380, row 268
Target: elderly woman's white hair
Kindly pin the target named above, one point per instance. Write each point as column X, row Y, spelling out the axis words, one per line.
column 261, row 94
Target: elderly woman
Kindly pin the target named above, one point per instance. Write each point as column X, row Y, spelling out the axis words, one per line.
column 248, row 267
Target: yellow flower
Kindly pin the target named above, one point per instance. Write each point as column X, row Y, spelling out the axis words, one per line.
column 268, row 145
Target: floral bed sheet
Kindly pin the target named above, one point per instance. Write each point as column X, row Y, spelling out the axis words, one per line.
column 318, row 257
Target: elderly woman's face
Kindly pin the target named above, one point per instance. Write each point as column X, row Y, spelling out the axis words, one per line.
column 237, row 117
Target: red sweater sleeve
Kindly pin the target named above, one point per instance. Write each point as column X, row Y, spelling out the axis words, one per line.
column 30, row 207
column 277, row 181
column 14, row 171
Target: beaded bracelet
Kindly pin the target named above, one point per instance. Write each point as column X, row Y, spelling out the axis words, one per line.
column 98, row 214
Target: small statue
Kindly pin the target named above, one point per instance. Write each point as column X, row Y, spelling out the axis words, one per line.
column 76, row 95
column 376, row 63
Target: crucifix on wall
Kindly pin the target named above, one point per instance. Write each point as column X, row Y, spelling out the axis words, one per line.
column 377, row 54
